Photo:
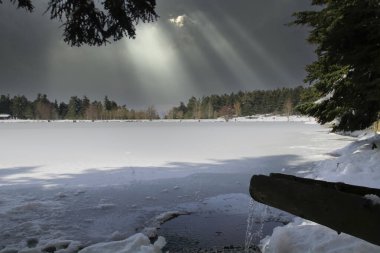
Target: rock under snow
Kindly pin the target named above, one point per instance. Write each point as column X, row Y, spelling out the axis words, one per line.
column 164, row 217
column 374, row 198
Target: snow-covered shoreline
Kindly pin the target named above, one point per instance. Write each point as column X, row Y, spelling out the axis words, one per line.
column 357, row 163
column 253, row 118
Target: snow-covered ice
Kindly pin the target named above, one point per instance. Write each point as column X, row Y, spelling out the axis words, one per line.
column 94, row 182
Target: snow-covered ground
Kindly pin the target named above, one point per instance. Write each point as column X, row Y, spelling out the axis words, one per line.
column 357, row 164
column 253, row 118
column 69, row 185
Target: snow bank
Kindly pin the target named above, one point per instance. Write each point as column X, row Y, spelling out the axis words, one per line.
column 357, row 164
column 276, row 118
column 302, row 236
column 137, row 243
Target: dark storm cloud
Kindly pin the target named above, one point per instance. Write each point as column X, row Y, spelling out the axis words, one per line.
column 24, row 40
column 221, row 46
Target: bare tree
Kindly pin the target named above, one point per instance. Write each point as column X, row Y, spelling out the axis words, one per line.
column 151, row 113
column 237, row 107
column 288, row 107
column 226, row 112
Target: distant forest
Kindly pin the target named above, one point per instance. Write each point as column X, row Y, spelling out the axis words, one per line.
column 283, row 101
column 78, row 108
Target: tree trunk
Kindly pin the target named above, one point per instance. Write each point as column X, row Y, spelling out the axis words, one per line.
column 339, row 206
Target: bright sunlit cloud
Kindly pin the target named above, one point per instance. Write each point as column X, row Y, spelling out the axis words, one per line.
column 179, row 20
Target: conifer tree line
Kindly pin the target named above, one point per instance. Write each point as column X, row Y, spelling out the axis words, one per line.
column 346, row 73
column 76, row 109
column 284, row 101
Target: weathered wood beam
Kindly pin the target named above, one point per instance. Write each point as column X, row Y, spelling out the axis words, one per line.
column 339, row 206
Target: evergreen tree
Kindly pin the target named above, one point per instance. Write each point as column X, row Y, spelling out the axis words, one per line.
column 56, row 108
column 62, row 110
column 74, row 108
column 346, row 74
column 95, row 23
column 191, row 108
column 5, row 104
column 20, row 106
column 84, row 106
column 43, row 108
column 109, row 105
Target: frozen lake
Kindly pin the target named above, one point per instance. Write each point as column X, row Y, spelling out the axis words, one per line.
column 103, row 181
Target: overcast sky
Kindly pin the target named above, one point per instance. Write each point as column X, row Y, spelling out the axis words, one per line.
column 196, row 48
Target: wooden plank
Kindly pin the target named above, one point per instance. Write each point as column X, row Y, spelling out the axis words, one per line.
column 339, row 206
